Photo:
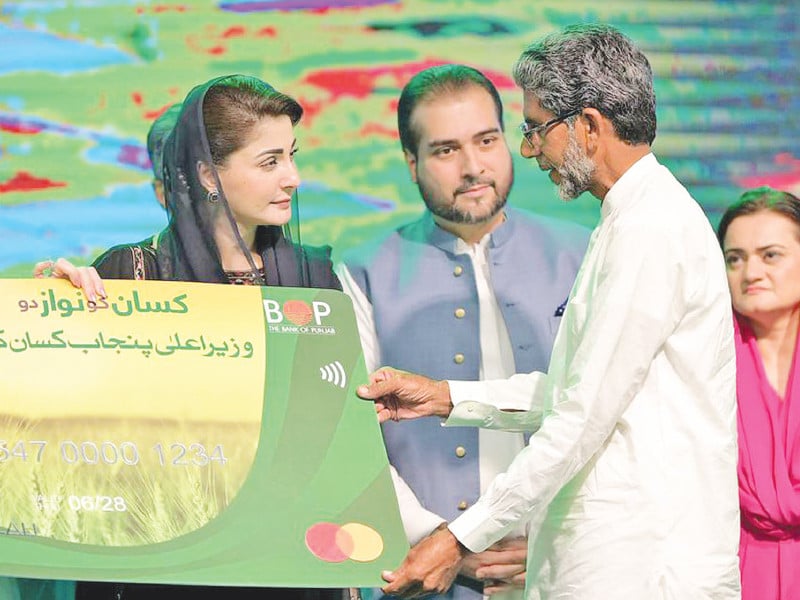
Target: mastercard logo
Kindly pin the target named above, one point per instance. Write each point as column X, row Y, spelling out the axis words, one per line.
column 297, row 311
column 337, row 543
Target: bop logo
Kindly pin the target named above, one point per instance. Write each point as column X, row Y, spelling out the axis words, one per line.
column 297, row 316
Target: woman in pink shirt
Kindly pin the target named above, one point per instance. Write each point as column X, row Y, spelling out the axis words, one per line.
column 760, row 236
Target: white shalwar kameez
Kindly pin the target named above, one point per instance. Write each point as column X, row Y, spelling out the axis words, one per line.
column 629, row 484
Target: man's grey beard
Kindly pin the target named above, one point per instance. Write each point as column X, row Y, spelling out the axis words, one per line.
column 576, row 169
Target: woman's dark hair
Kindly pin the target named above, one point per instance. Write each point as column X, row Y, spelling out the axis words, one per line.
column 216, row 120
column 757, row 200
column 233, row 105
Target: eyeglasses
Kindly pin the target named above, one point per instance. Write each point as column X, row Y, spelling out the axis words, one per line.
column 539, row 131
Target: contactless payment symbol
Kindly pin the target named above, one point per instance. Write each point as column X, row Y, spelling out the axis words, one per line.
column 336, row 543
column 334, row 373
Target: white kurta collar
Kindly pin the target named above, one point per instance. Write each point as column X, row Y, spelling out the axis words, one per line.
column 622, row 192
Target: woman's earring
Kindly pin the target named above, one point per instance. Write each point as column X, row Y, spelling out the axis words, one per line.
column 212, row 196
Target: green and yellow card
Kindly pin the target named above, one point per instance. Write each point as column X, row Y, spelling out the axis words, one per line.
column 189, row 433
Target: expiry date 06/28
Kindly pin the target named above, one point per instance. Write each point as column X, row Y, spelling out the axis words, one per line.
column 97, row 503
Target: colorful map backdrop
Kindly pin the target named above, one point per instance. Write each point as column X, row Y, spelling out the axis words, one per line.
column 81, row 81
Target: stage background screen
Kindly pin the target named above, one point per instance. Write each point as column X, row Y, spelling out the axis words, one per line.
column 81, row 81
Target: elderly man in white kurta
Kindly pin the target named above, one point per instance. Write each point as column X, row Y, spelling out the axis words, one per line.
column 629, row 483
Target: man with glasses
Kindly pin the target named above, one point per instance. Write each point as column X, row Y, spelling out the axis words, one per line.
column 535, row 133
column 629, row 481
column 470, row 290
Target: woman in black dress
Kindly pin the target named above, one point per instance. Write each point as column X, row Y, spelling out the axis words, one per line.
column 230, row 182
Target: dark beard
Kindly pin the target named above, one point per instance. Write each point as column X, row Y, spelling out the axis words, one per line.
column 453, row 214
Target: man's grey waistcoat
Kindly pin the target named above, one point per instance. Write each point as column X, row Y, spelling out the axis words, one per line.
column 425, row 308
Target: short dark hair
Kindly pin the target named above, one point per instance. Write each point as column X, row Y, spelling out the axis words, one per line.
column 234, row 104
column 592, row 66
column 158, row 132
column 757, row 200
column 431, row 83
